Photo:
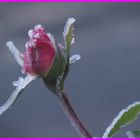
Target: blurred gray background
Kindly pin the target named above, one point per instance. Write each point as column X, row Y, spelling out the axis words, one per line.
column 105, row 80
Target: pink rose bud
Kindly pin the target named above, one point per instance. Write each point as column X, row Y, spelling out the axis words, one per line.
column 40, row 52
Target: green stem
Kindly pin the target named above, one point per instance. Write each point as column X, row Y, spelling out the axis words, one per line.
column 75, row 121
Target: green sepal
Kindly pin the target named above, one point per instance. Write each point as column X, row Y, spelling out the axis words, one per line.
column 57, row 68
column 69, row 38
column 51, row 84
column 68, row 34
column 53, row 77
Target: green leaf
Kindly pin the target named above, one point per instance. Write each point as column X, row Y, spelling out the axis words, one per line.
column 68, row 33
column 125, row 117
column 133, row 134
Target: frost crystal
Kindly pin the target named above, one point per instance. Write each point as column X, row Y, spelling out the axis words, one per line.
column 69, row 23
column 51, row 37
column 74, row 58
column 73, row 40
column 16, row 83
column 21, row 84
column 30, row 33
column 26, row 44
column 37, row 26
column 18, row 56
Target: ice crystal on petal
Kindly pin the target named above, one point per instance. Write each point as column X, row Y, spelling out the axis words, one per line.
column 73, row 40
column 30, row 33
column 36, row 35
column 37, row 26
column 51, row 37
column 18, row 56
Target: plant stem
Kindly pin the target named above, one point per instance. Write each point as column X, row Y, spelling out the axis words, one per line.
column 75, row 121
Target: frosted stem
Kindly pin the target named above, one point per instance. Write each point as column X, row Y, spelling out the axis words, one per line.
column 75, row 121
column 22, row 83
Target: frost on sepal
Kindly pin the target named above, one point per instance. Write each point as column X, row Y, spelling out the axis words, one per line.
column 68, row 33
column 51, row 37
column 125, row 117
column 74, row 58
column 18, row 82
column 20, row 86
column 18, row 56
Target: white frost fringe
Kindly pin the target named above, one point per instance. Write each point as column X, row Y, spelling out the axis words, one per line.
column 74, row 58
column 18, row 56
column 111, row 126
column 21, row 84
column 69, row 22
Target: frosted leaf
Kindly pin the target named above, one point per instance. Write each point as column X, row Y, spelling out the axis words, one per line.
column 68, row 33
column 74, row 58
column 37, row 26
column 23, row 71
column 125, row 117
column 21, row 84
column 69, row 22
column 18, row 56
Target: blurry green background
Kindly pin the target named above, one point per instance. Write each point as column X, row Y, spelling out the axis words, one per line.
column 105, row 80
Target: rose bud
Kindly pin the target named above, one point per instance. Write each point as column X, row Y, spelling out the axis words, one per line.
column 45, row 58
column 40, row 52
